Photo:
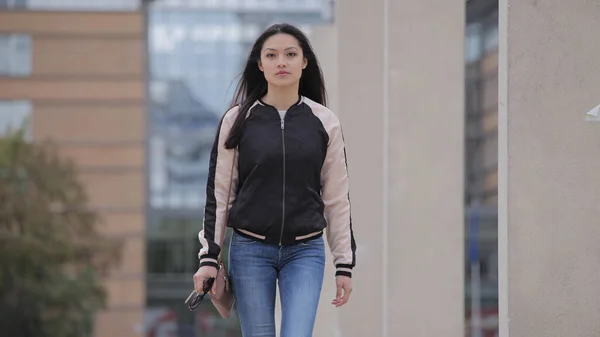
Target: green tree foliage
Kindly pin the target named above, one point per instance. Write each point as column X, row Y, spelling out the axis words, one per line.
column 52, row 257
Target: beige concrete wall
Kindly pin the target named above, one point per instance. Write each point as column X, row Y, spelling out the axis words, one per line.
column 361, row 109
column 549, row 164
column 400, row 92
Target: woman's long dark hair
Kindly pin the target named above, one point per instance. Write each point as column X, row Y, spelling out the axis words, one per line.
column 253, row 85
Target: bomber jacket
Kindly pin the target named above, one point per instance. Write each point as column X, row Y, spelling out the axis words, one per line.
column 289, row 182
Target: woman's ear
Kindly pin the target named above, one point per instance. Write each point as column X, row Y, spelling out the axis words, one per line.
column 304, row 63
column 260, row 66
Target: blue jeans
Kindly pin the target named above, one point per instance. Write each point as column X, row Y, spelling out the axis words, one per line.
column 254, row 269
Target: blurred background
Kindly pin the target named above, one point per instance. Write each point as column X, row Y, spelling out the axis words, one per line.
column 131, row 92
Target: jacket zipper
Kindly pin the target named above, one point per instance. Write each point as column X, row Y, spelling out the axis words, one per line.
column 283, row 201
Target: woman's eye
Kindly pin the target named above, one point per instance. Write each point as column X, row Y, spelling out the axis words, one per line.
column 270, row 55
column 292, row 54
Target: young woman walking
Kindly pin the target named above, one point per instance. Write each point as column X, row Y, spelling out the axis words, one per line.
column 282, row 152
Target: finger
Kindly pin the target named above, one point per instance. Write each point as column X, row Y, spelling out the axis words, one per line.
column 342, row 300
column 199, row 284
column 339, row 292
column 337, row 301
column 213, row 289
column 200, row 281
column 338, row 295
column 346, row 297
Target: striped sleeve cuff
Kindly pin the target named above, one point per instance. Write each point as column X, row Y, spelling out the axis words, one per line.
column 343, row 270
column 209, row 260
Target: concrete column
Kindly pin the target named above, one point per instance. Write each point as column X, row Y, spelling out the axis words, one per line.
column 549, row 168
column 323, row 39
column 400, row 98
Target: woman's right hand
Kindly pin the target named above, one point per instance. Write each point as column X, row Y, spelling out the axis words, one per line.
column 204, row 273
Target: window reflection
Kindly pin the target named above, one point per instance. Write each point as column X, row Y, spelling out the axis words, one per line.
column 183, row 134
column 481, row 268
column 194, row 61
column 15, row 55
column 62, row 5
column 194, row 58
column 196, row 51
column 15, row 115
column 171, row 252
column 172, row 255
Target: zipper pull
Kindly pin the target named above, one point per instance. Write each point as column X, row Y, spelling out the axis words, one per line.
column 282, row 124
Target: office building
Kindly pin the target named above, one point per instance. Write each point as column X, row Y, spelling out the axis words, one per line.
column 481, row 167
column 196, row 50
column 132, row 93
column 76, row 70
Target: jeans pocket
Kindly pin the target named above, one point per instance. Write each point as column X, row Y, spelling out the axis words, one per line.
column 239, row 239
column 312, row 242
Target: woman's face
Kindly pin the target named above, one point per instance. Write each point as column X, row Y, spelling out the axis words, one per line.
column 281, row 60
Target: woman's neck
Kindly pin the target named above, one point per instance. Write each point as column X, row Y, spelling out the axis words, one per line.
column 281, row 98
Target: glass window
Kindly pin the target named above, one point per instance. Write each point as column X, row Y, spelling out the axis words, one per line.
column 489, row 92
column 173, row 255
column 173, row 245
column 15, row 115
column 481, row 43
column 472, row 98
column 13, row 3
column 88, row 5
column 491, row 39
column 473, row 42
column 490, row 34
column 187, row 97
column 15, row 55
column 301, row 6
column 196, row 50
column 490, row 152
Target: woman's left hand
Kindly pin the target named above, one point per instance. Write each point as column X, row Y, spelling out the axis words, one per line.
column 344, row 288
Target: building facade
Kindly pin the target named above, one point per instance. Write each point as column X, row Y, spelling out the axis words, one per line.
column 76, row 72
column 133, row 92
column 481, row 167
column 196, row 50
